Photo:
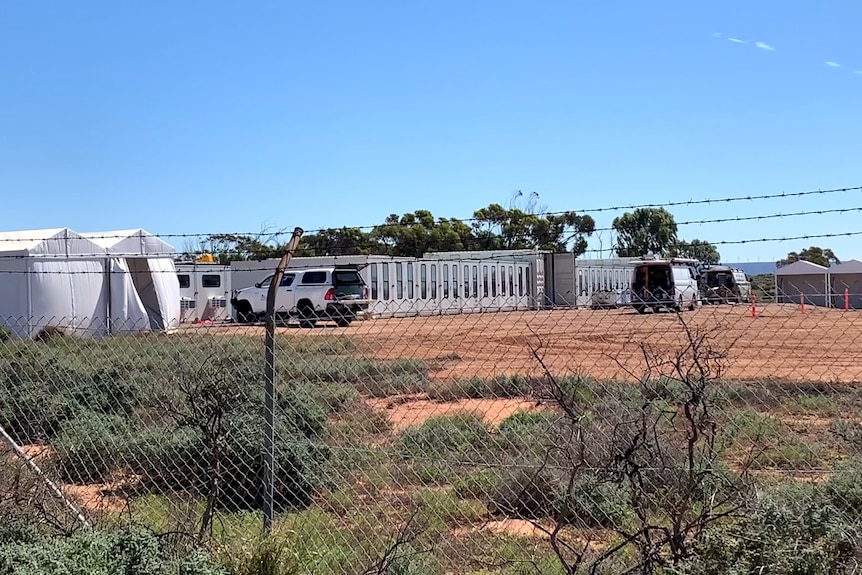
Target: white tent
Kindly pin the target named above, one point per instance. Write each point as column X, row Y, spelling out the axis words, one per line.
column 802, row 280
column 51, row 277
column 144, row 278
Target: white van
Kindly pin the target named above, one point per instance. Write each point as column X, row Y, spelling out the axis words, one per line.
column 665, row 283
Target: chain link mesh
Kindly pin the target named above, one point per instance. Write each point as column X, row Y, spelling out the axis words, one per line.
column 725, row 439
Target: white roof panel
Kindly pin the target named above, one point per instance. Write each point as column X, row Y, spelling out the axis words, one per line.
column 131, row 243
column 51, row 241
column 801, row 268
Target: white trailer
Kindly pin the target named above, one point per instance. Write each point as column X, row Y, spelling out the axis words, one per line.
column 204, row 291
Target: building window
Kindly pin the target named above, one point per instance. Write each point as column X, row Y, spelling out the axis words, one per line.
column 494, row 281
column 475, row 281
column 446, row 280
column 423, row 281
column 434, row 282
column 410, row 280
column 511, row 281
column 210, row 281
column 484, row 281
column 528, row 287
column 454, row 281
column 503, row 281
column 520, row 282
column 399, row 280
column 385, row 281
column 374, row 281
column 185, row 281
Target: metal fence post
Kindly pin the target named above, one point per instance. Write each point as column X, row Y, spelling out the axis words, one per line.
column 270, row 376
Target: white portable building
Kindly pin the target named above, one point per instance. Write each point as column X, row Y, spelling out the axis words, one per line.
column 802, row 281
column 847, row 276
column 146, row 264
column 204, row 291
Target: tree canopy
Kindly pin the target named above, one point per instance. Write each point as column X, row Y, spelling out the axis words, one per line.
column 493, row 227
column 413, row 234
column 696, row 249
column 644, row 231
column 813, row 254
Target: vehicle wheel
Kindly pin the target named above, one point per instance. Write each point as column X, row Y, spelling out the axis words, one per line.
column 307, row 317
column 342, row 317
column 640, row 308
column 244, row 313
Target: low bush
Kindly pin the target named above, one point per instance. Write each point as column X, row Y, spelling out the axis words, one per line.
column 479, row 484
column 535, row 493
column 499, row 387
column 133, row 552
column 463, row 434
column 524, row 493
column 789, row 528
column 87, row 449
column 524, row 425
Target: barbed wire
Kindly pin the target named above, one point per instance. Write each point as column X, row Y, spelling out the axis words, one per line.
column 15, row 237
column 471, row 256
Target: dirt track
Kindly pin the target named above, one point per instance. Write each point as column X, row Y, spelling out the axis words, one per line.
column 781, row 342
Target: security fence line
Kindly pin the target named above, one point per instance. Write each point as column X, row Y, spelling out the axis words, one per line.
column 528, row 441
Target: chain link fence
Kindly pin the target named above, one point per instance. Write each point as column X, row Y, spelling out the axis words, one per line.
column 721, row 440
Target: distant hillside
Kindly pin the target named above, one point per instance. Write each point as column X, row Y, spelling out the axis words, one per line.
column 753, row 268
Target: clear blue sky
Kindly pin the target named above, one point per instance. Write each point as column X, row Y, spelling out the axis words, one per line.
column 186, row 117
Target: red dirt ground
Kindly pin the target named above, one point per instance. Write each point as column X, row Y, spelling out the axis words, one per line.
column 780, row 343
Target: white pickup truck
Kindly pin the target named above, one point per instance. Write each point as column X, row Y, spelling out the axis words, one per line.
column 337, row 293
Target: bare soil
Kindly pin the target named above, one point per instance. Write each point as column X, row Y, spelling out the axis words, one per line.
column 406, row 411
column 781, row 342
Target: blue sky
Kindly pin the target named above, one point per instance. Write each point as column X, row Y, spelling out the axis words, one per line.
column 189, row 117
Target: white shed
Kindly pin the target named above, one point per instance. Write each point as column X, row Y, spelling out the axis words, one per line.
column 57, row 278
column 847, row 276
column 802, row 279
column 149, row 262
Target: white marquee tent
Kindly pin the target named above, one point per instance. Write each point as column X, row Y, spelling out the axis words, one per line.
column 51, row 277
column 85, row 286
column 143, row 265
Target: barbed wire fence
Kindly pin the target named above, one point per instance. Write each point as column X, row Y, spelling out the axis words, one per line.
column 506, row 436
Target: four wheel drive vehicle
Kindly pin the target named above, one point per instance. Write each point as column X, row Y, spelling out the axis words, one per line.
column 336, row 293
column 665, row 283
column 723, row 284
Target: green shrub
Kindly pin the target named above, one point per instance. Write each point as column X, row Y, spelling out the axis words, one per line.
column 479, row 484
column 87, row 449
column 790, row 528
column 462, row 434
column 593, row 503
column 129, row 552
column 844, row 488
column 501, row 386
column 179, row 460
column 523, row 425
column 524, row 493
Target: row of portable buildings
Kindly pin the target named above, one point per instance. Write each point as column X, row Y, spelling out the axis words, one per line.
column 99, row 283
column 437, row 283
